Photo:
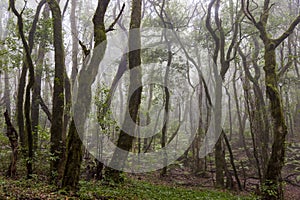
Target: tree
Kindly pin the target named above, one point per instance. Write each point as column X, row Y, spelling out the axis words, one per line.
column 272, row 186
column 86, row 78
column 134, row 60
column 225, row 58
column 58, row 92
column 36, row 94
column 28, row 45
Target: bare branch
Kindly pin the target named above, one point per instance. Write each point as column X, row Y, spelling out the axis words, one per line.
column 45, row 108
column 248, row 12
column 288, row 32
column 85, row 50
column 25, row 5
column 111, row 27
column 65, row 8
column 211, row 31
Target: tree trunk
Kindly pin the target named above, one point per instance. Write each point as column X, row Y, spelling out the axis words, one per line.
column 74, row 150
column 167, row 102
column 276, row 161
column 75, row 46
column 272, row 187
column 58, row 92
column 125, row 140
column 7, row 93
column 13, row 138
column 20, row 106
column 225, row 59
column 37, row 86
column 82, row 106
column 28, row 45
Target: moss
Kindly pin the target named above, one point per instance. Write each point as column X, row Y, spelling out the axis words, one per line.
column 272, row 185
column 72, row 171
column 100, row 35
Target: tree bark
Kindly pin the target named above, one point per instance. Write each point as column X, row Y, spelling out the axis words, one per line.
column 28, row 45
column 273, row 175
column 272, row 186
column 82, row 106
column 58, row 92
column 20, row 106
column 37, row 86
column 74, row 158
column 7, row 93
column 125, row 140
column 13, row 138
column 75, row 46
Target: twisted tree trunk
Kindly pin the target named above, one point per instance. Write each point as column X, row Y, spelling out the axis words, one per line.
column 272, row 186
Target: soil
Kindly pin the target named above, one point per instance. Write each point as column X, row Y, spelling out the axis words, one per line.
column 185, row 177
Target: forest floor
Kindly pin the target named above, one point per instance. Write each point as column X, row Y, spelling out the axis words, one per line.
column 180, row 176
column 131, row 189
column 179, row 183
column 186, row 179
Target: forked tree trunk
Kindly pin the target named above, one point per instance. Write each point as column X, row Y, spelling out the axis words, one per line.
column 272, row 186
column 82, row 106
column 225, row 57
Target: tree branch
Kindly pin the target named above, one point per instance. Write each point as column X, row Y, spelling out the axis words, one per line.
column 247, row 12
column 85, row 50
column 45, row 108
column 65, row 9
column 34, row 25
column 288, row 32
column 111, row 27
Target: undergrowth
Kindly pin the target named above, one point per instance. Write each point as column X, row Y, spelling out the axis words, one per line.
column 129, row 190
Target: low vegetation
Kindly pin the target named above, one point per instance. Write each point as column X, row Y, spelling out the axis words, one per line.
column 130, row 189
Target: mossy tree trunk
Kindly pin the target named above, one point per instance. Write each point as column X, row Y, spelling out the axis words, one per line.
column 86, row 78
column 273, row 174
column 272, row 185
column 58, row 92
column 27, row 45
column 74, row 158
